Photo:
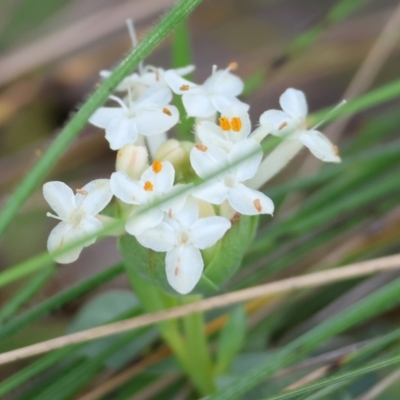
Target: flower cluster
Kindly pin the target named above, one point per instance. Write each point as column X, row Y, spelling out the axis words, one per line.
column 153, row 182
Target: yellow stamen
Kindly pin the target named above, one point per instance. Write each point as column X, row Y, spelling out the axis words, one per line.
column 184, row 87
column 257, row 205
column 236, row 124
column 224, row 124
column 148, row 186
column 201, row 147
column 166, row 111
column 81, row 191
column 157, row 166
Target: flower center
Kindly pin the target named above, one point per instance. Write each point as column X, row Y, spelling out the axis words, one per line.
column 184, row 237
column 76, row 218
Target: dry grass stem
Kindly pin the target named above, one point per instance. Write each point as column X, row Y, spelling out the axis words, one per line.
column 310, row 280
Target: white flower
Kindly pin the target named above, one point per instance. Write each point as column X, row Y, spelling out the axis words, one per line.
column 149, row 76
column 155, row 182
column 241, row 163
column 149, row 115
column 218, row 92
column 234, row 126
column 182, row 238
column 292, row 121
column 77, row 214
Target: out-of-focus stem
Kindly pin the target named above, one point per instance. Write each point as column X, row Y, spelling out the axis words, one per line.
column 275, row 162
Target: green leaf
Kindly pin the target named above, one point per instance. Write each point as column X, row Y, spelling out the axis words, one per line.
column 224, row 259
column 148, row 264
column 230, row 340
column 25, row 293
column 58, row 300
column 100, row 311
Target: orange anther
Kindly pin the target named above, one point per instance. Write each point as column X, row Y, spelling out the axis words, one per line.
column 282, row 125
column 336, row 150
column 236, row 124
column 176, row 271
column 166, row 111
column 81, row 191
column 233, row 66
column 184, row 87
column 157, row 166
column 224, row 124
column 148, row 186
column 201, row 147
column 257, row 205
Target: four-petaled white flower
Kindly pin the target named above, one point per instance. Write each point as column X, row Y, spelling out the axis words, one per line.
column 149, row 76
column 218, row 92
column 292, row 121
column 77, row 214
column 149, row 115
column 182, row 237
column 230, row 170
column 155, row 182
column 234, row 126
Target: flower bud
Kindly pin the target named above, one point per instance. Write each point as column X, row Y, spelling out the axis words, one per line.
column 177, row 153
column 133, row 160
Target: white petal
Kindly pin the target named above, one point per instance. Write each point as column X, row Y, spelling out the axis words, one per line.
column 142, row 221
column 184, row 266
column 250, row 154
column 185, row 70
column 277, row 119
column 198, row 104
column 88, row 226
column 127, row 190
column 60, row 237
column 210, row 134
column 98, row 196
column 152, row 121
column 294, row 103
column 60, row 198
column 207, row 160
column 121, row 131
column 161, row 238
column 156, row 95
column 161, row 175
column 213, row 191
column 320, row 146
column 222, row 102
column 224, row 82
column 248, row 201
column 175, row 204
column 205, row 232
column 104, row 115
column 187, row 215
column 176, row 82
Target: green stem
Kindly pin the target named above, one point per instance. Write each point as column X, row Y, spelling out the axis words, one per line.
column 196, row 347
column 78, row 121
column 154, row 300
column 25, row 293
